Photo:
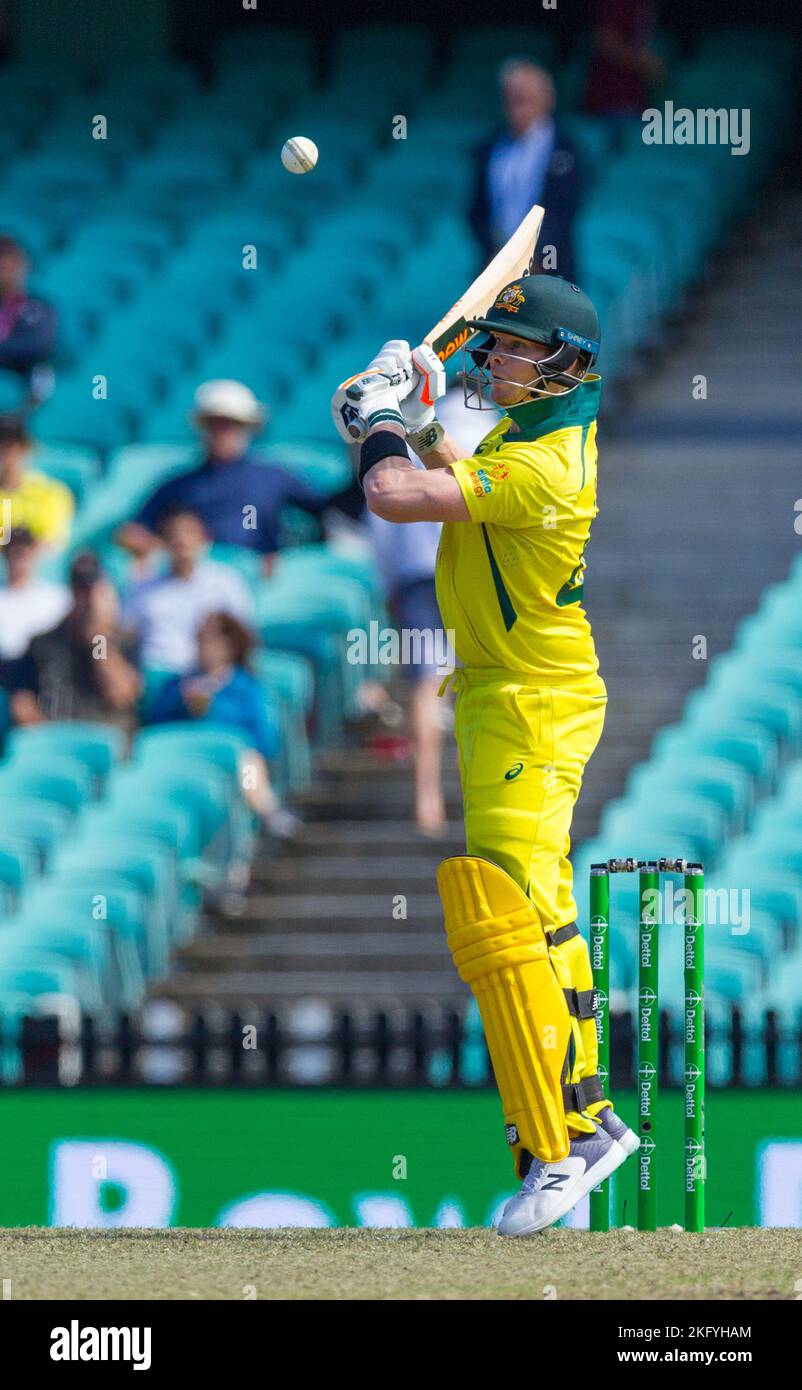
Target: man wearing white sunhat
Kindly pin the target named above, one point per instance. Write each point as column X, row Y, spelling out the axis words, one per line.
column 238, row 496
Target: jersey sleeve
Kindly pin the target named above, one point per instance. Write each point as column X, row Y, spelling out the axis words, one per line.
column 505, row 487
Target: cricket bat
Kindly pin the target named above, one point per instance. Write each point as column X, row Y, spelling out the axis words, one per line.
column 514, row 259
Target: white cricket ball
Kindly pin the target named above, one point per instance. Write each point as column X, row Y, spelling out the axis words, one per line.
column 299, row 154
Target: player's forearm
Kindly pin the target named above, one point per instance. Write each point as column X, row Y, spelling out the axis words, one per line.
column 397, row 490
column 384, row 473
column 445, row 452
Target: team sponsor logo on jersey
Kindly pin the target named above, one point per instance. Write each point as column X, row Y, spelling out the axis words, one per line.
column 515, row 771
column 483, row 480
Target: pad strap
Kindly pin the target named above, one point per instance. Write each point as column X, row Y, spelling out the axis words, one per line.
column 582, row 1003
column 580, row 1094
column 556, row 938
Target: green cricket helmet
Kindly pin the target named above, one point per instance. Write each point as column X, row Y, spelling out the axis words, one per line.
column 542, row 309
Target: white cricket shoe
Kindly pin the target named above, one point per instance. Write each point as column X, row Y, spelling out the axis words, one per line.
column 613, row 1125
column 552, row 1189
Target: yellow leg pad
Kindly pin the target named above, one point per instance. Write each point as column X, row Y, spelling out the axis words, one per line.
column 499, row 947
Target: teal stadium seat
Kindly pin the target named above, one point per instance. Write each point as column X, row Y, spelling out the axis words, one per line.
column 85, row 947
column 73, row 183
column 32, row 227
column 388, row 47
column 161, row 84
column 481, row 47
column 42, row 825
column 72, row 415
column 98, row 746
column 72, row 464
column 683, row 823
column 290, row 678
column 117, row 941
column 130, row 910
column 212, row 798
column 33, row 973
column 56, row 778
column 18, row 867
column 279, row 47
column 326, row 467
column 769, row 704
column 744, row 744
column 725, row 784
column 145, row 853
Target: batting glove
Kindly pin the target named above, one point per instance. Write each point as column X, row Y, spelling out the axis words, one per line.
column 421, row 378
column 364, row 401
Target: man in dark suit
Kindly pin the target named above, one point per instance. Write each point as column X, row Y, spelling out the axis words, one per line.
column 529, row 161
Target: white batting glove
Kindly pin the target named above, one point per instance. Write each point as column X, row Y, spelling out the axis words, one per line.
column 394, row 358
column 364, row 401
column 426, row 375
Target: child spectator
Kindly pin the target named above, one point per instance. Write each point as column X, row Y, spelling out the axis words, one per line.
column 221, row 689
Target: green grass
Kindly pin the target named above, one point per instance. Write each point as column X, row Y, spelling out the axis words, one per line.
column 366, row 1264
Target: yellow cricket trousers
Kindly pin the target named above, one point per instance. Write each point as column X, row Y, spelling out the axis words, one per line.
column 523, row 749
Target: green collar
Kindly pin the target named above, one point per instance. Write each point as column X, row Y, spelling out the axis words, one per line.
column 558, row 412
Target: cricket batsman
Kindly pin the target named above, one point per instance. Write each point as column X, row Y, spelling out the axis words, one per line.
column 530, row 703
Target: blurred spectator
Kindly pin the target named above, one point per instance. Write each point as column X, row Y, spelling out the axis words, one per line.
column 27, row 325
column 165, row 611
column 623, row 66
column 78, row 670
column 28, row 605
column 220, row 688
column 529, row 161
column 238, row 498
column 43, row 505
column 406, row 557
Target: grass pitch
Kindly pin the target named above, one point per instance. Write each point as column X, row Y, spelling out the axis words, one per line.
column 405, row 1264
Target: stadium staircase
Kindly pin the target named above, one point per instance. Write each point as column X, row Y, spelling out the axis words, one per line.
column 349, row 912
column 694, row 514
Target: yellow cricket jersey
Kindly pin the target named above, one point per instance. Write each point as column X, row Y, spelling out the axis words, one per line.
column 510, row 580
column 42, row 504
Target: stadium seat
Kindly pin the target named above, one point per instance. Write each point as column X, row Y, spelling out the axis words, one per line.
column 98, row 746
column 280, row 47
column 48, row 777
column 724, row 784
column 72, row 464
column 85, row 947
column 18, row 867
column 745, row 744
